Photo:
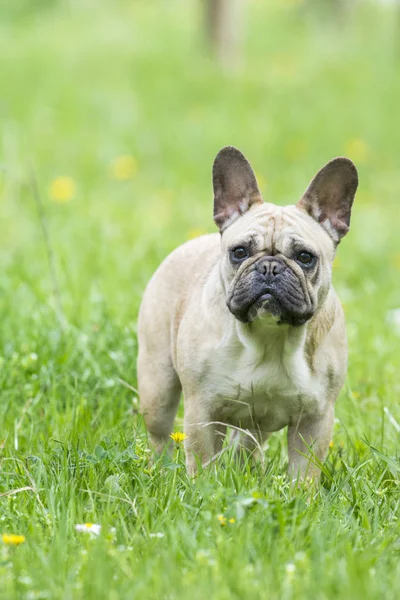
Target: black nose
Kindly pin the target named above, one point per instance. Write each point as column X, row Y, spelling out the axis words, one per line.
column 270, row 267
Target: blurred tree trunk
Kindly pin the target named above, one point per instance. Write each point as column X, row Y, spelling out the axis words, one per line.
column 338, row 9
column 223, row 29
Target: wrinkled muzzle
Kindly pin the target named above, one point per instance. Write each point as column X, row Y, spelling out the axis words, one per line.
column 271, row 286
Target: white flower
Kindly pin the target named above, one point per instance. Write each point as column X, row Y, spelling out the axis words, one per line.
column 156, row 535
column 92, row 528
column 290, row 568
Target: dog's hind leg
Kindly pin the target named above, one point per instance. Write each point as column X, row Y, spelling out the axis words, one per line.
column 159, row 392
column 158, row 382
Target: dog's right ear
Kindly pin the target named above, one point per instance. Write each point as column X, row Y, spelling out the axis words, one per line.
column 235, row 186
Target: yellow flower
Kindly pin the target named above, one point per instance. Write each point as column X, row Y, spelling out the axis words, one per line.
column 222, row 520
column 195, row 232
column 395, row 261
column 331, row 444
column 123, row 167
column 62, row 189
column 262, row 182
column 357, row 150
column 178, row 437
column 13, row 540
column 256, row 495
column 295, row 149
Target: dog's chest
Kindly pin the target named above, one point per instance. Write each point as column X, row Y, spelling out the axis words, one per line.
column 262, row 387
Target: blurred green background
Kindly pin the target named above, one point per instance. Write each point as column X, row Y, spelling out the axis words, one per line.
column 127, row 105
column 117, row 110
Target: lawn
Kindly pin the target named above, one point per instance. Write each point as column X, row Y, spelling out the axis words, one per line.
column 114, row 111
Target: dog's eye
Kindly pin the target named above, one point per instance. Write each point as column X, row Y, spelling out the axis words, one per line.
column 238, row 254
column 305, row 258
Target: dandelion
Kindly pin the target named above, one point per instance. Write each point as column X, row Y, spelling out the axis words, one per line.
column 262, row 182
column 92, row 528
column 178, row 437
column 123, row 167
column 295, row 149
column 395, row 260
column 195, row 232
column 11, row 539
column 357, row 149
column 256, row 495
column 331, row 444
column 62, row 189
column 222, row 520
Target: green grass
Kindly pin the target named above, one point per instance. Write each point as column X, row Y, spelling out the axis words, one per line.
column 84, row 83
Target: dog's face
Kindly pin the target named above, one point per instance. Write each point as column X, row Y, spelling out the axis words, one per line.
column 276, row 261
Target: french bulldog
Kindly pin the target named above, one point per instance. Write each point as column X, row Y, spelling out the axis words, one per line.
column 246, row 323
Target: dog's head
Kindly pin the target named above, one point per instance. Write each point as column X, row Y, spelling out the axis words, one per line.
column 277, row 261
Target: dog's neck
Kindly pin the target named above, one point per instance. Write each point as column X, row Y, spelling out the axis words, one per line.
column 285, row 342
column 267, row 335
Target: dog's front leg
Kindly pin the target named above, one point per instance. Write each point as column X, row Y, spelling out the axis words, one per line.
column 309, row 436
column 201, row 440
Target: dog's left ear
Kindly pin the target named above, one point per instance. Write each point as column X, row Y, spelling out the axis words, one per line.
column 235, row 186
column 329, row 197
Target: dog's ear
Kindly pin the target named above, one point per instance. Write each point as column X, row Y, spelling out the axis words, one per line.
column 235, row 186
column 329, row 197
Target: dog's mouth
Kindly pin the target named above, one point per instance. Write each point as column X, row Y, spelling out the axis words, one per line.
column 247, row 311
column 267, row 303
